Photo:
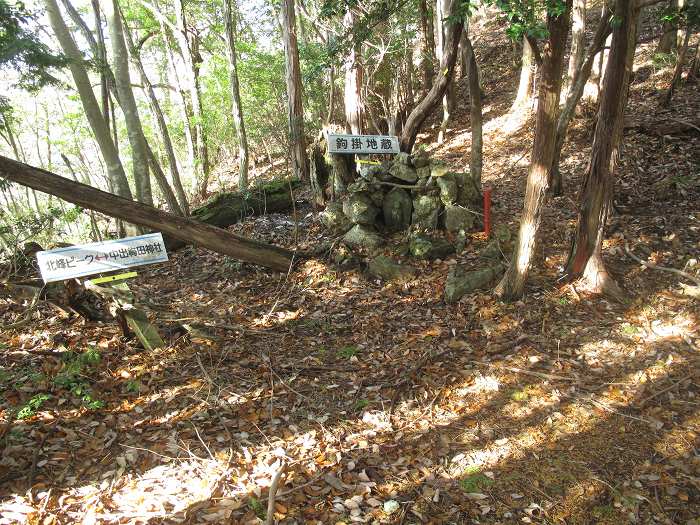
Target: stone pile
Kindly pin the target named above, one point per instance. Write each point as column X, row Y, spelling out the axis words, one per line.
column 410, row 193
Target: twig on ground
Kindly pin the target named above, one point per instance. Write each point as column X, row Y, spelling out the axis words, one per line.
column 270, row 518
column 652, row 266
column 660, row 392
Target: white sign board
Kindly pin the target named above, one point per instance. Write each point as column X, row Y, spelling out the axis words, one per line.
column 99, row 257
column 362, row 144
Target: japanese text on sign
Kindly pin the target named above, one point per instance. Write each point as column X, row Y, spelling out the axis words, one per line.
column 99, row 257
column 362, row 144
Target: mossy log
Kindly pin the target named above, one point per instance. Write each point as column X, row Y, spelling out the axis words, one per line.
column 228, row 208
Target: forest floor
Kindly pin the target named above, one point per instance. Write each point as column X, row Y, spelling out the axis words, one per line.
column 383, row 403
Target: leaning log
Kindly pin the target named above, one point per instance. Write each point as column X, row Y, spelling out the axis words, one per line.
column 188, row 230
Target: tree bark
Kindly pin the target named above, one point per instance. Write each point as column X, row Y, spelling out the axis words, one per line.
column 578, row 41
column 236, row 110
column 295, row 110
column 513, row 283
column 127, row 102
column 668, row 39
column 596, row 195
column 428, row 59
column 354, row 114
column 580, row 78
column 527, row 74
column 476, row 117
column 188, row 49
column 680, row 60
column 99, row 127
column 159, row 118
column 447, row 67
column 189, row 230
column 448, row 99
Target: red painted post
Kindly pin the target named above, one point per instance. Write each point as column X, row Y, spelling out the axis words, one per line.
column 487, row 212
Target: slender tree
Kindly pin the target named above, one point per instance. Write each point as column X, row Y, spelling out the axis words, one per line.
column 527, row 75
column 92, row 110
column 513, row 283
column 354, row 107
column 428, row 59
column 295, row 116
column 578, row 41
column 585, row 260
column 236, row 111
column 188, row 43
column 581, row 76
column 447, row 69
column 444, row 19
column 475, row 116
column 159, row 119
column 120, row 60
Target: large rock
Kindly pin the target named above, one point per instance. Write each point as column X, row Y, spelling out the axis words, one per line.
column 334, row 219
column 423, row 172
column 385, row 268
column 425, row 211
column 363, row 237
column 461, row 281
column 469, row 194
column 424, row 247
column 397, row 209
column 438, row 168
column 404, row 172
column 421, row 159
column 402, row 168
column 449, row 190
column 458, row 218
column 360, row 208
column 499, row 245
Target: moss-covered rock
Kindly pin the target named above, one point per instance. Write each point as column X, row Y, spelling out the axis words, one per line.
column 387, row 269
column 461, row 281
column 363, row 237
column 397, row 208
column 228, row 208
column 425, row 247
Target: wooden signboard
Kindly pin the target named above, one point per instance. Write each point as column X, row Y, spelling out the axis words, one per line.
column 100, row 257
column 362, row 144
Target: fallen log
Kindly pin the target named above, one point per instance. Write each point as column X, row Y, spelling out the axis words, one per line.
column 189, row 230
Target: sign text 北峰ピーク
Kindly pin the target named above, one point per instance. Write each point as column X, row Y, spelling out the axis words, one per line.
column 99, row 257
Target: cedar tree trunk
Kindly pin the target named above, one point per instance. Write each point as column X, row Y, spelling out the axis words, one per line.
column 513, row 283
column 595, row 199
column 295, row 110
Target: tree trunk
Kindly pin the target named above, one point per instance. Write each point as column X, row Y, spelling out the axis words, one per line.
column 127, row 102
column 159, row 118
column 578, row 41
column 448, row 99
column 592, row 87
column 447, row 67
column 98, row 125
column 513, row 283
column 668, row 39
column 428, row 59
column 354, row 116
column 680, row 60
column 185, row 107
column 476, row 117
column 527, row 74
column 295, row 110
column 596, row 195
column 236, row 110
column 189, row 230
column 188, row 49
column 580, row 78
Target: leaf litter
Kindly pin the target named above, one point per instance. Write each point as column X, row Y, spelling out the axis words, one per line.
column 376, row 402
